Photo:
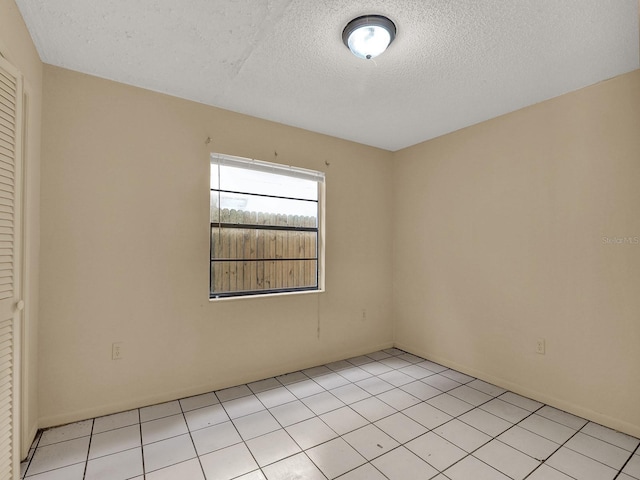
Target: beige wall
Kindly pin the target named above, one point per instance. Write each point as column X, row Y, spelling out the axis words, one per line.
column 16, row 46
column 499, row 241
column 125, row 246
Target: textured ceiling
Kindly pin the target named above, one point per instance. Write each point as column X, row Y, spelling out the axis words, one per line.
column 454, row 62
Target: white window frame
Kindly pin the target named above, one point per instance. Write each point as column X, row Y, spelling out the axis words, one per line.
column 217, row 225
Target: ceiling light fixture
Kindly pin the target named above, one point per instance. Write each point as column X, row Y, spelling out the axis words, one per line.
column 368, row 36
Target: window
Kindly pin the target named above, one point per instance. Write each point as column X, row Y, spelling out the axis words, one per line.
column 265, row 225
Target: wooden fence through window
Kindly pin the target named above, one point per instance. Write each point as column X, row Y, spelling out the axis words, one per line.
column 261, row 259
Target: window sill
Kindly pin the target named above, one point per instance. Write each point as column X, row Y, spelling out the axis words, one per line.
column 266, row 295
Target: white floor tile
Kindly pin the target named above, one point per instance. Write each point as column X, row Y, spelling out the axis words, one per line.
column 331, row 380
column 335, row 457
column 118, row 420
column 373, row 409
column 297, row 466
column 275, row 397
column 198, row 401
column 243, row 406
column 350, row 393
column 487, row 388
column 578, row 466
column 305, row 388
column 376, row 368
column 564, row 418
column 291, row 378
column 310, row 433
column 611, row 436
column 255, row 475
column 263, row 385
column 472, row 468
column 441, row 382
column 470, row 395
column 57, row 455
column 599, row 450
column 214, row 438
column 457, row 376
column 272, row 447
column 427, row 415
column 434, row 367
column 365, row 472
column 547, row 428
column 520, row 401
column 421, row 390
column 407, row 357
column 317, row 371
column 339, row 365
column 398, row 399
column 291, row 413
column 397, row 378
column 545, row 472
column 205, row 417
column 374, row 385
column 74, row 472
column 343, row 420
column 119, row 466
column 506, row 459
column 114, row 441
column 66, row 432
column 393, row 351
column 359, row 361
column 159, row 411
column 416, row 372
column 189, row 470
column 449, row 404
column 163, row 428
column 462, row 435
column 232, row 393
column 528, row 442
column 256, row 424
column 401, row 464
column 436, row 451
column 633, row 467
column 355, row 374
column 370, row 441
column 485, row 422
column 168, row 452
column 401, row 427
column 228, row 462
column 322, row 402
column 505, row 410
column 379, row 355
column 395, row 362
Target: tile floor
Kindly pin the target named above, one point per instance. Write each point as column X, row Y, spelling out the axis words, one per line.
column 387, row 415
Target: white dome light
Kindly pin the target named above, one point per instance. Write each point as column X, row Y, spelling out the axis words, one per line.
column 369, row 36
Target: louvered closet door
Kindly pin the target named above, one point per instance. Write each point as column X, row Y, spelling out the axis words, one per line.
column 10, row 241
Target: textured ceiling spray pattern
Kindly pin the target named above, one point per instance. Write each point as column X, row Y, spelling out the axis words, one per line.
column 453, row 64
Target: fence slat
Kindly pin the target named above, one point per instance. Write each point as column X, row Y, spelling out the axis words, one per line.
column 229, row 244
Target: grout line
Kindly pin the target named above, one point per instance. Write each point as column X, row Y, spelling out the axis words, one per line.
column 184, row 417
column 636, row 450
column 86, row 463
column 144, row 472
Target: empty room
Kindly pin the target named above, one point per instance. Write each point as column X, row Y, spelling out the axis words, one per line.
column 283, row 239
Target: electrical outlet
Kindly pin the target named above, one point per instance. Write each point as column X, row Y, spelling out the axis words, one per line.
column 117, row 351
column 540, row 346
